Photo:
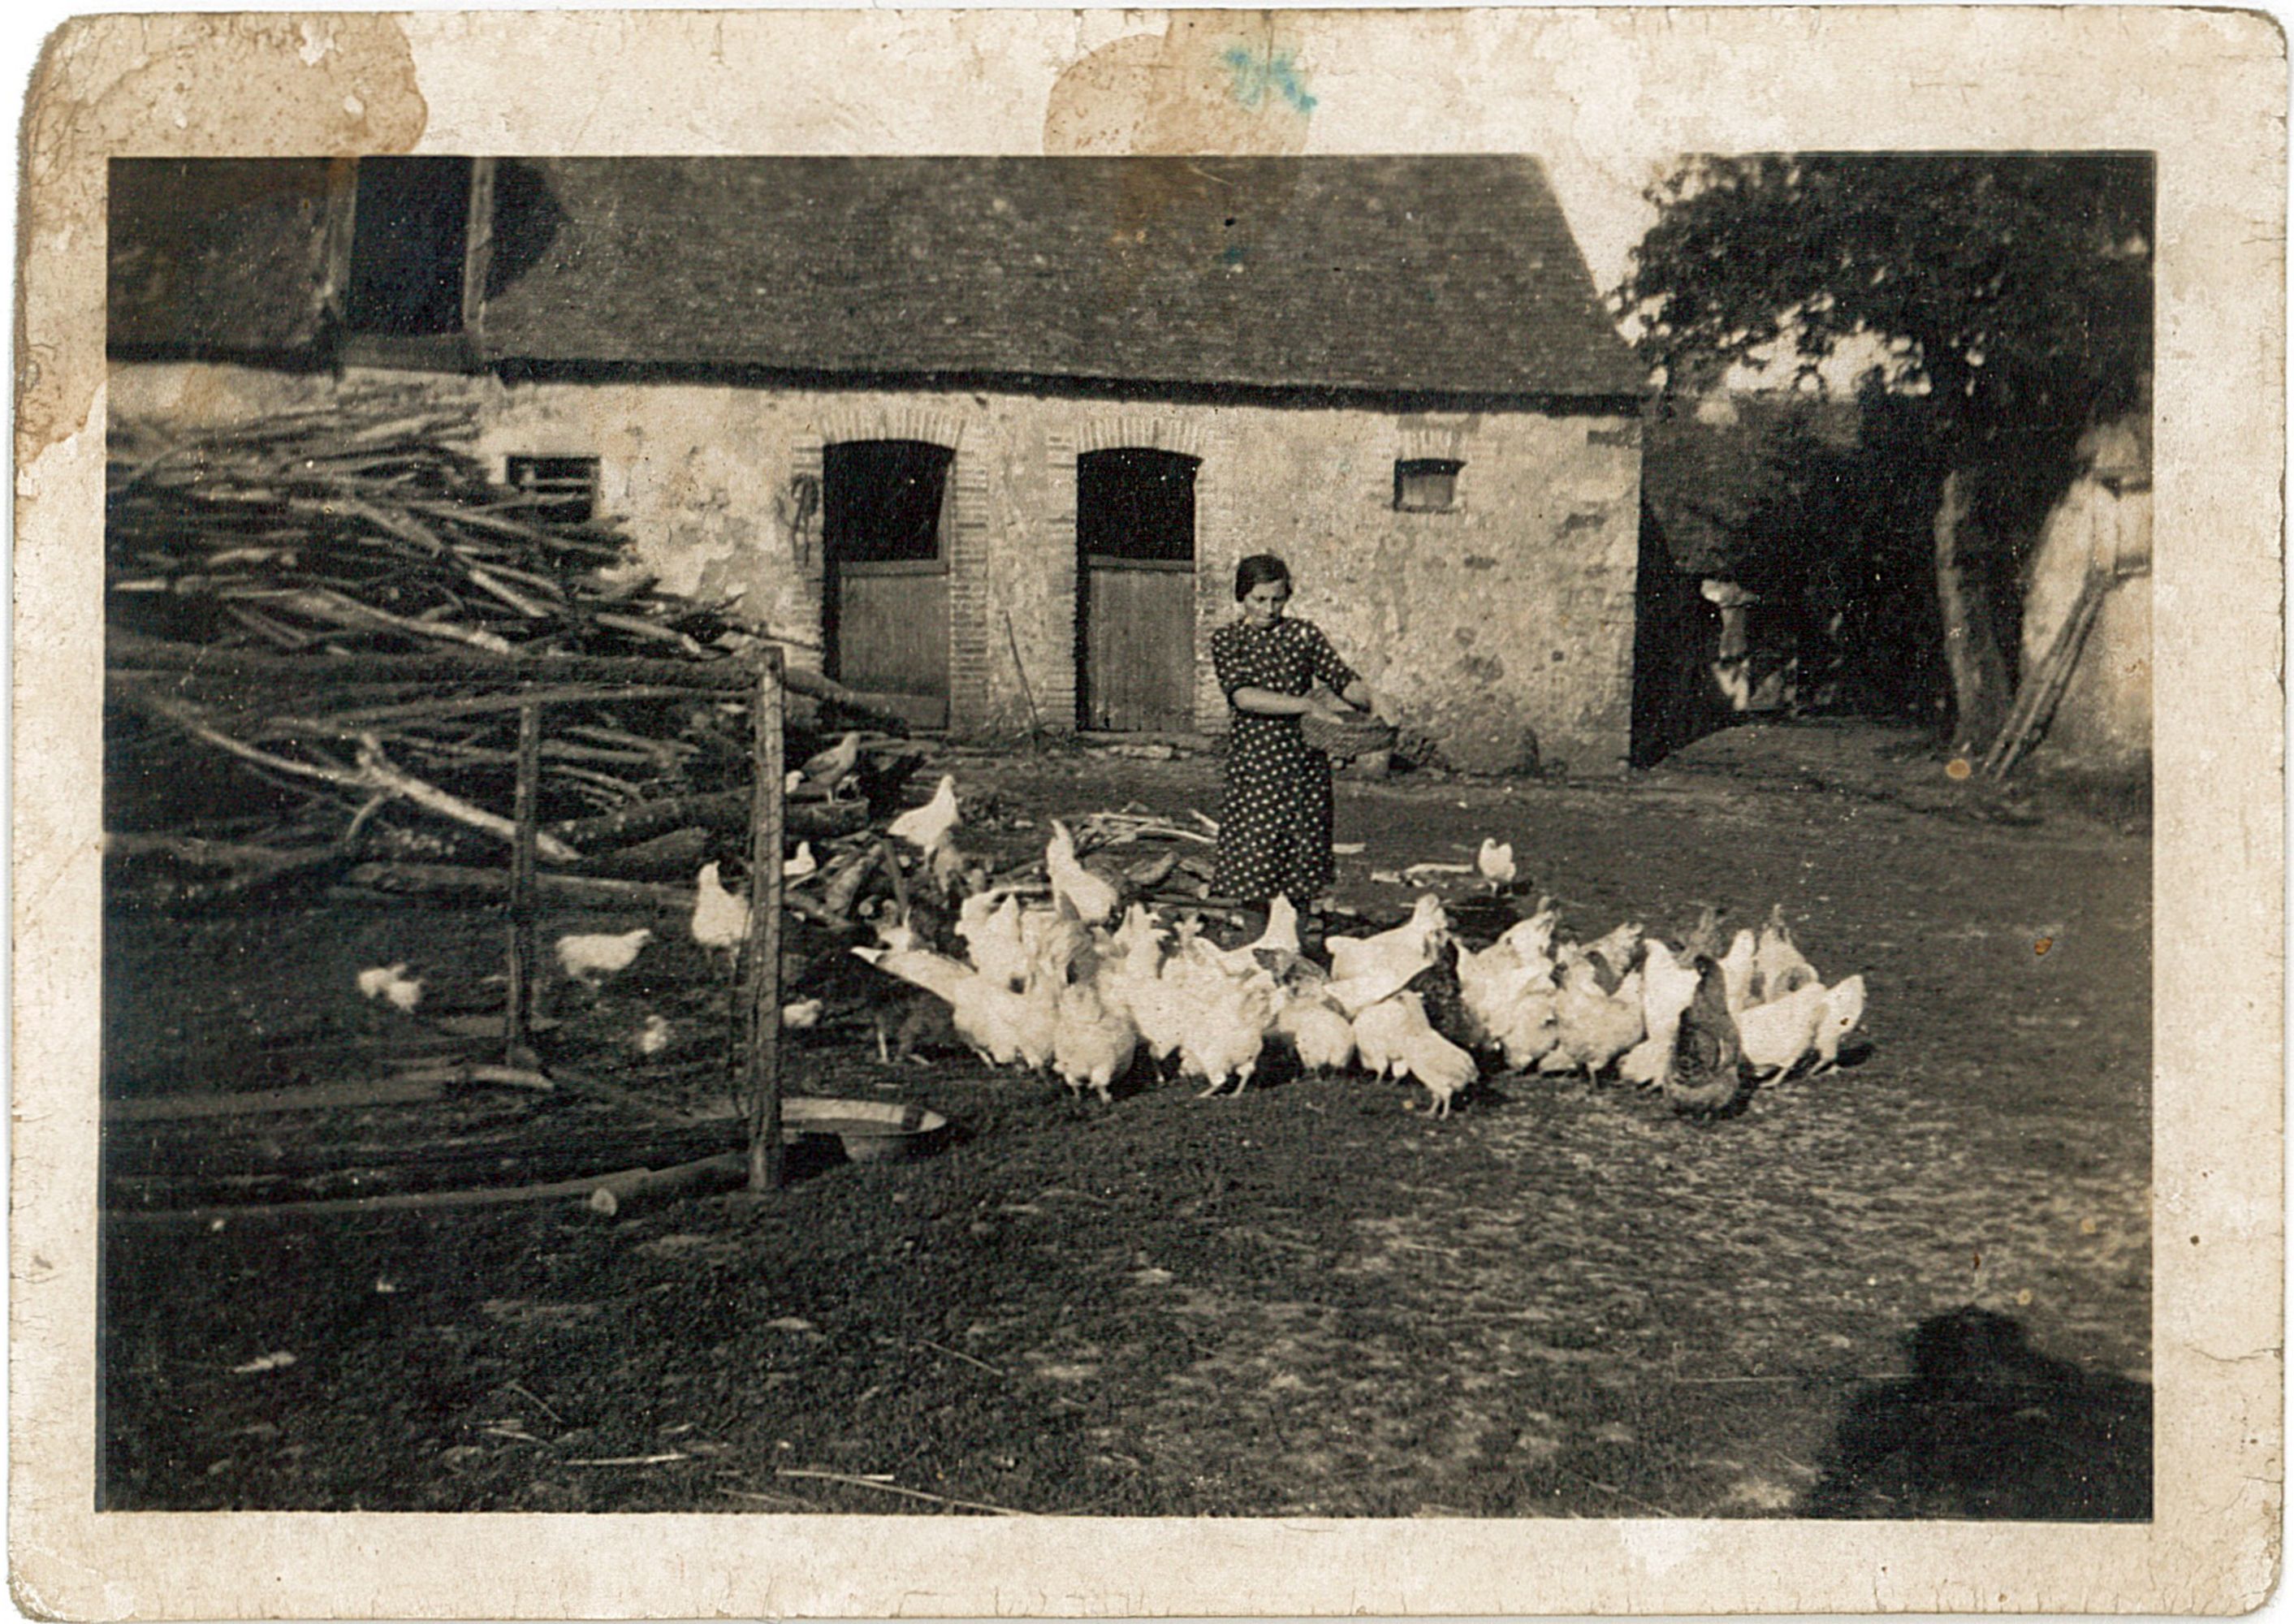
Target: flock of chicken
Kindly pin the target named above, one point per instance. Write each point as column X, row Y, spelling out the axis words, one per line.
column 1061, row 983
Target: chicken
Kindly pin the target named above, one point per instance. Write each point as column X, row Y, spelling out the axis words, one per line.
column 1777, row 967
column 1736, row 971
column 655, row 1035
column 1496, row 864
column 1130, row 977
column 801, row 1016
column 1093, row 898
column 987, row 923
column 1225, row 1016
column 1281, row 937
column 1594, row 1027
column 1381, row 1033
column 1413, row 942
column 802, row 865
column 1414, row 1049
column 1843, row 1008
column 1316, row 1028
column 1701, row 1076
column 1509, row 998
column 1092, row 1045
column 1777, row 1036
column 1667, row 988
column 591, row 959
column 720, row 920
column 1000, row 1025
column 928, row 827
column 832, row 767
column 1616, row 951
column 393, row 985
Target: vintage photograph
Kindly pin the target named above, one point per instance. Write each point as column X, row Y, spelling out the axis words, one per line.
column 1306, row 835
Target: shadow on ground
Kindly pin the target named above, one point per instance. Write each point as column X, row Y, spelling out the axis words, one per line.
column 1987, row 1426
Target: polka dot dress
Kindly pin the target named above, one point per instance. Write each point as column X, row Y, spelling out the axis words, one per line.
column 1275, row 825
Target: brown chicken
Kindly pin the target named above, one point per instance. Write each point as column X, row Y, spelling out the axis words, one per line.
column 1703, row 1080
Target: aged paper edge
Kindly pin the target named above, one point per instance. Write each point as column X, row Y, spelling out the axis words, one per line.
column 2205, row 89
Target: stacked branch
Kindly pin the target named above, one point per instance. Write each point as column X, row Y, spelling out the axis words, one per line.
column 368, row 529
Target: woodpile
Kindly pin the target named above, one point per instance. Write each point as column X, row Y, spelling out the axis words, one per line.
column 323, row 626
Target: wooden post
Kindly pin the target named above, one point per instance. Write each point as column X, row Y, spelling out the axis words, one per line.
column 761, row 958
column 526, row 815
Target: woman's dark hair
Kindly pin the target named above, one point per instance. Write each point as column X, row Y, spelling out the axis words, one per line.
column 1256, row 571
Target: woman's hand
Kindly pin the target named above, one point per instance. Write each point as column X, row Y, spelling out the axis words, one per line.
column 1332, row 709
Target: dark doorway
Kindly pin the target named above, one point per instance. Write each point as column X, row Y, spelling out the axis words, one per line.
column 884, row 512
column 1135, row 585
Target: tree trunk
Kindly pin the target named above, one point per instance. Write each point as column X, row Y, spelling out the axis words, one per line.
column 1971, row 631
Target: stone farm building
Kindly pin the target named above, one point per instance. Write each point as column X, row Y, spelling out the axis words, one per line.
column 989, row 435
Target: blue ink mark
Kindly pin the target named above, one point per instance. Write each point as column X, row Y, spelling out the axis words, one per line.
column 1276, row 72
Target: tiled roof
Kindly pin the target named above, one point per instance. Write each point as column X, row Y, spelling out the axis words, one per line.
column 1406, row 273
column 219, row 254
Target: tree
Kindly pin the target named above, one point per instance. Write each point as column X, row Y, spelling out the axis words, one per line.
column 2010, row 292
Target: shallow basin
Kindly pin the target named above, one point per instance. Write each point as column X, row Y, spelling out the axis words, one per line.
column 870, row 1130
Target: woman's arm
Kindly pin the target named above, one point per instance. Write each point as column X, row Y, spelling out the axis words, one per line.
column 1267, row 702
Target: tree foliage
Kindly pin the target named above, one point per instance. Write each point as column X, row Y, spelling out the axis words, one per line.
column 2013, row 289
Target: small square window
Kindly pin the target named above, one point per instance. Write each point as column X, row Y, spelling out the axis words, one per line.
column 566, row 488
column 1426, row 484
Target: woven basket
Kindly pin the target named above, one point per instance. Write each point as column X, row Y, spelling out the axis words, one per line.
column 1344, row 741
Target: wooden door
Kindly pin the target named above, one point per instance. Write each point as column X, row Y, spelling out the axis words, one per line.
column 1136, row 577
column 885, row 522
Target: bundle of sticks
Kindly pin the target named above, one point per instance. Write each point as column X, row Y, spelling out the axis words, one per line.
column 367, row 528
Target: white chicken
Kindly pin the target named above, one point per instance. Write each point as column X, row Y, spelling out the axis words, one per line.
column 1616, row 951
column 656, row 1034
column 1091, row 1044
column 1415, row 943
column 987, row 923
column 802, row 865
column 1394, row 1038
column 591, row 959
column 927, row 827
column 392, row 985
column 803, row 1015
column 1281, row 935
column 1225, row 1016
column 1312, row 1022
column 1093, row 898
column 1843, row 1008
column 1777, row 967
column 1496, row 864
column 1446, row 1069
column 1593, row 1028
column 1001, row 1026
column 1736, row 971
column 720, row 920
column 1668, row 987
column 1777, row 1036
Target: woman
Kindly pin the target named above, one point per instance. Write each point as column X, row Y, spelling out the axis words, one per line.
column 1274, row 828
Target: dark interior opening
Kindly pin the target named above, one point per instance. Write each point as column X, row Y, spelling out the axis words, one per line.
column 883, row 500
column 410, row 230
column 1136, row 504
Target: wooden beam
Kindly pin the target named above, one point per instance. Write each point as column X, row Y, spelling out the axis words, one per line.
column 761, row 958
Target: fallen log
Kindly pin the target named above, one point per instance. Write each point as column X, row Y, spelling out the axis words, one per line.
column 620, row 1192
column 319, row 1096
column 711, row 809
column 430, row 1200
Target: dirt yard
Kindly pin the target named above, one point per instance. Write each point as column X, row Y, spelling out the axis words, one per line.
column 1917, row 1287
